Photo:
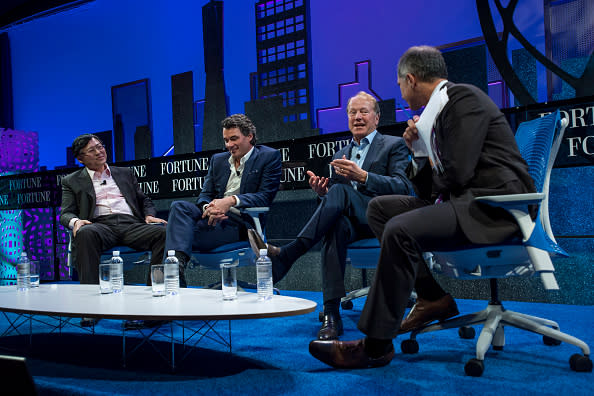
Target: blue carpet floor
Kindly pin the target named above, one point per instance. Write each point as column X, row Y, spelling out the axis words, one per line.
column 270, row 357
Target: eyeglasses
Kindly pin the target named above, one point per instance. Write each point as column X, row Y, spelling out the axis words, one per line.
column 94, row 149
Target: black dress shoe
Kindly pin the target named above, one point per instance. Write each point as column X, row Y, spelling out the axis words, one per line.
column 143, row 324
column 88, row 322
column 331, row 327
column 425, row 312
column 347, row 354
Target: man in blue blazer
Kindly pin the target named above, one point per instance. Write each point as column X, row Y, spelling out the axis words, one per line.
column 372, row 165
column 245, row 176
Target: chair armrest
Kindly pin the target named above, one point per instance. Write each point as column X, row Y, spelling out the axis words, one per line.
column 517, row 206
column 512, row 200
column 255, row 213
column 256, row 210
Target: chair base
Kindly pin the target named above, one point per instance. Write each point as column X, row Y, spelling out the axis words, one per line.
column 494, row 318
column 347, row 301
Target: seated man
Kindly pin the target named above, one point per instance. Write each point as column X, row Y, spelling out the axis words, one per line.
column 104, row 207
column 372, row 165
column 245, row 176
column 475, row 154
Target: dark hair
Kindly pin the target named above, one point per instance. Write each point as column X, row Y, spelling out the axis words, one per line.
column 81, row 142
column 424, row 62
column 244, row 124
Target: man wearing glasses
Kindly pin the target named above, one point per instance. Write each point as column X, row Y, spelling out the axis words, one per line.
column 104, row 207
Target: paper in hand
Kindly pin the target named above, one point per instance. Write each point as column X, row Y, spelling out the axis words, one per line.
column 422, row 146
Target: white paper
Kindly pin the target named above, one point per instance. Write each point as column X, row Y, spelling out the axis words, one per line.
column 422, row 146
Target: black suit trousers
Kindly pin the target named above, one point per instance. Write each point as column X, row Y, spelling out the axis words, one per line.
column 109, row 231
column 406, row 226
column 338, row 220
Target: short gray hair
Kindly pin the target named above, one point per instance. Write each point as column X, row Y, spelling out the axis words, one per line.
column 366, row 96
column 424, row 62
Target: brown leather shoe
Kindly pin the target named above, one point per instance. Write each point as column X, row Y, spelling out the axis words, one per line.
column 257, row 243
column 331, row 328
column 425, row 312
column 347, row 354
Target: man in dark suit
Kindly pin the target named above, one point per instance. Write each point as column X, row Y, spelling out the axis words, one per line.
column 104, row 207
column 372, row 165
column 247, row 175
column 474, row 153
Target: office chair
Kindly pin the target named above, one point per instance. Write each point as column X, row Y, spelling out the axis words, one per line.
column 240, row 252
column 364, row 254
column 538, row 141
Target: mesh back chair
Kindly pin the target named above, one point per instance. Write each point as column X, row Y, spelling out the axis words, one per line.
column 539, row 142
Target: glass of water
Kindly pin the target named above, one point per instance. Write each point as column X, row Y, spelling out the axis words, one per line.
column 158, row 280
column 229, row 280
column 105, row 286
column 34, row 273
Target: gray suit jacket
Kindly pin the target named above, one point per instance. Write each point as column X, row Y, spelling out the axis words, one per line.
column 78, row 195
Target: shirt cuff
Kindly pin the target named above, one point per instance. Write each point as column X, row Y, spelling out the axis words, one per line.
column 71, row 222
column 237, row 201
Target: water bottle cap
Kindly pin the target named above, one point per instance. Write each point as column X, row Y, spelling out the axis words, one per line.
column 116, row 253
column 171, row 253
column 263, row 252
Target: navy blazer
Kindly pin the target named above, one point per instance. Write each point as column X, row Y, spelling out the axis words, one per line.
column 78, row 195
column 385, row 163
column 259, row 182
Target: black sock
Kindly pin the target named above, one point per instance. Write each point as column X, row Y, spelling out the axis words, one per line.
column 427, row 288
column 377, row 347
column 332, row 307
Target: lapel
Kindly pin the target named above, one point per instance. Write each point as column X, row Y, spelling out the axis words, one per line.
column 222, row 176
column 374, row 149
column 86, row 185
column 87, row 192
column 247, row 169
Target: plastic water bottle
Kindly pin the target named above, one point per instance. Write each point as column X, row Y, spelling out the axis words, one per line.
column 264, row 271
column 23, row 273
column 171, row 274
column 117, row 272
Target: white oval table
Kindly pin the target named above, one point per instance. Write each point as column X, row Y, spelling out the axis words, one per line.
column 137, row 303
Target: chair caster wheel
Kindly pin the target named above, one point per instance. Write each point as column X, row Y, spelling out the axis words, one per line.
column 550, row 340
column 580, row 363
column 346, row 304
column 409, row 346
column 474, row 368
column 498, row 347
column 466, row 332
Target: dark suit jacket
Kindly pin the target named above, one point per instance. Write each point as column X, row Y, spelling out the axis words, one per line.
column 480, row 157
column 386, row 163
column 78, row 195
column 260, row 179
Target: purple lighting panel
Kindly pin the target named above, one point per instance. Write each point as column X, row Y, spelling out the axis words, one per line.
column 19, row 151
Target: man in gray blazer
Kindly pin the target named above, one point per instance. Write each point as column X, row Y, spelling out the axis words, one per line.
column 104, row 207
column 474, row 154
column 246, row 175
column 372, row 165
